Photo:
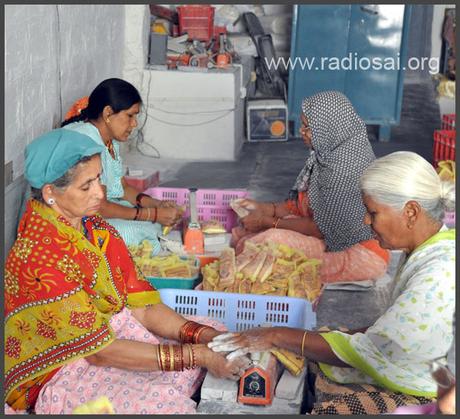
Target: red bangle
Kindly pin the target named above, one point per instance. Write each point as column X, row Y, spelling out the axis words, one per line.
column 198, row 332
column 156, row 215
column 274, row 209
column 137, row 213
column 139, row 198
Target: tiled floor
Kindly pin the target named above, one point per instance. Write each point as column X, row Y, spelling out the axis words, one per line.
column 268, row 170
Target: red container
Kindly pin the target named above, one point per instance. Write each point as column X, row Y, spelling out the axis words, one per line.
column 141, row 183
column 197, row 21
column 444, row 145
column 448, row 121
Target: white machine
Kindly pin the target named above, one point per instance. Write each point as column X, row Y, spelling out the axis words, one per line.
column 267, row 120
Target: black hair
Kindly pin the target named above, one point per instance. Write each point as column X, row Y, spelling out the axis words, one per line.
column 116, row 93
column 62, row 182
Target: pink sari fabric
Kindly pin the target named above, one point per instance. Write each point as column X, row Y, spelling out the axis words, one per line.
column 353, row 264
column 130, row 392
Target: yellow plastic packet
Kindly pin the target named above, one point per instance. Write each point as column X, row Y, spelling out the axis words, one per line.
column 213, row 227
column 99, row 406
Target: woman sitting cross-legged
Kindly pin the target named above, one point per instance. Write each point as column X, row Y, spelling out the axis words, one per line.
column 81, row 321
column 388, row 364
column 323, row 215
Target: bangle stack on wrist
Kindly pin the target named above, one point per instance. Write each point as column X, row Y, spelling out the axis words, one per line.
column 171, row 357
column 190, row 332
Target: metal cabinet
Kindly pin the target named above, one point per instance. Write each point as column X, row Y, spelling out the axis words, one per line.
column 359, row 50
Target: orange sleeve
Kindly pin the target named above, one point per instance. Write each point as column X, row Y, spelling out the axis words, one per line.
column 373, row 245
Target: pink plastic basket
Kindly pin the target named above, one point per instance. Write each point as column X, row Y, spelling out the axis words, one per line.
column 449, row 219
column 211, row 203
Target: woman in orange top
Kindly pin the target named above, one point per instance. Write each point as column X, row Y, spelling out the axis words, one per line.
column 324, row 215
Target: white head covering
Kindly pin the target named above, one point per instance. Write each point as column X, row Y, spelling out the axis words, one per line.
column 341, row 153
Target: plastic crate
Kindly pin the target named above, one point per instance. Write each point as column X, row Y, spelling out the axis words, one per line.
column 180, row 283
column 197, row 21
column 448, row 121
column 449, row 219
column 444, row 145
column 211, row 203
column 242, row 311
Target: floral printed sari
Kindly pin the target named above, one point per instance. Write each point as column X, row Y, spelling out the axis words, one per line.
column 62, row 287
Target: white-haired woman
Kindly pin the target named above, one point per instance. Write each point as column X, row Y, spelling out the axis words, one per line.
column 388, row 364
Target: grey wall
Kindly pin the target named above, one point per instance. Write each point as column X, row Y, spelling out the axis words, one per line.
column 54, row 54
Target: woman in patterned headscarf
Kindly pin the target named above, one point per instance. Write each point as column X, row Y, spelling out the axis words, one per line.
column 324, row 214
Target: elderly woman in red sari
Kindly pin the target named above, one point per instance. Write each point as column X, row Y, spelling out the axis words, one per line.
column 81, row 321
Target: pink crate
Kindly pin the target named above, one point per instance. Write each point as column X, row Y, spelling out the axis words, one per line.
column 449, row 219
column 211, row 203
column 448, row 121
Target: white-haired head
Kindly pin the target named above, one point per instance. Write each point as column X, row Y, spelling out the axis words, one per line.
column 404, row 176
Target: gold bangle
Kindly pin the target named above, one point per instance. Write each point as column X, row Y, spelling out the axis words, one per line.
column 181, row 353
column 303, row 342
column 171, row 357
column 158, row 357
column 162, row 357
column 191, row 357
column 166, row 359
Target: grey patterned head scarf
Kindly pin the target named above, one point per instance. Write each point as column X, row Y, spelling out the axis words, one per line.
column 341, row 152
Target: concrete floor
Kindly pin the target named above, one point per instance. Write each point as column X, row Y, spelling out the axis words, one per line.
column 268, row 170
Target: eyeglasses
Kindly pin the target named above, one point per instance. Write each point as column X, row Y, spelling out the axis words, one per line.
column 441, row 374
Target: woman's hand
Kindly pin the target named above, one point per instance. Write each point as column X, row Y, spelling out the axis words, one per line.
column 219, row 366
column 446, row 401
column 264, row 208
column 238, row 344
column 256, row 221
column 168, row 216
column 167, row 204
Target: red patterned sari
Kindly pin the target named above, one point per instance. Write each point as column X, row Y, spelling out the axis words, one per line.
column 62, row 286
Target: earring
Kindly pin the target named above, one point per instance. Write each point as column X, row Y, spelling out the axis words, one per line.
column 51, row 201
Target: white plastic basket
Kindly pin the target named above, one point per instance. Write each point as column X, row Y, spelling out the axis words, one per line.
column 241, row 311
